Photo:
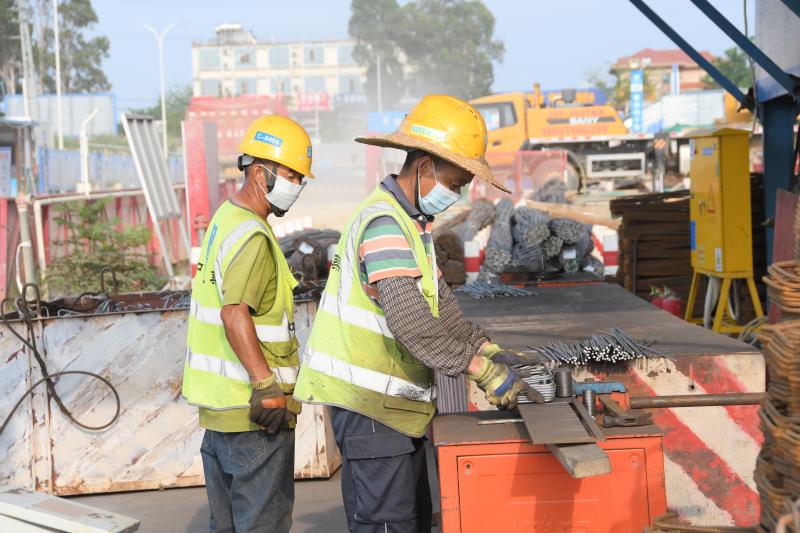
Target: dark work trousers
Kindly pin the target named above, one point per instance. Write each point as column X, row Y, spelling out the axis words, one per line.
column 249, row 480
column 384, row 476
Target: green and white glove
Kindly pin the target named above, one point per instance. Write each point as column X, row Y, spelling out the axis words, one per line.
column 501, row 385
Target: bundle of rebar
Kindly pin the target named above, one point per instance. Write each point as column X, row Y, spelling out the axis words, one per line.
column 603, row 347
column 777, row 473
column 480, row 216
column 568, row 230
column 306, row 252
column 500, row 244
column 479, row 289
column 554, row 191
column 551, row 247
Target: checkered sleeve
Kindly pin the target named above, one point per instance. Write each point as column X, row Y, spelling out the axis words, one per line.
column 411, row 322
column 461, row 328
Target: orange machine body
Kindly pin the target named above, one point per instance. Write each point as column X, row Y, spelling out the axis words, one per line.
column 492, row 478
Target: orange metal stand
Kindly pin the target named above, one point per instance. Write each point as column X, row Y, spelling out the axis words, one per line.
column 493, row 479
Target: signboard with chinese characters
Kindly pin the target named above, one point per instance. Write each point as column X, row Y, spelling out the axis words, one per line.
column 637, row 97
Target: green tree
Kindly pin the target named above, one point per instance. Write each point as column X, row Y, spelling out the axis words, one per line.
column 177, row 100
column 81, row 55
column 734, row 66
column 9, row 46
column 426, row 46
column 93, row 243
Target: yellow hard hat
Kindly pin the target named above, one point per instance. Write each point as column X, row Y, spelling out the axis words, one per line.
column 280, row 139
column 447, row 127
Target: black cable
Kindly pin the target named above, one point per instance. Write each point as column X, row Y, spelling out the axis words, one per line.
column 30, row 342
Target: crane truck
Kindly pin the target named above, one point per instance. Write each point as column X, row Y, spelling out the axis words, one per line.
column 599, row 148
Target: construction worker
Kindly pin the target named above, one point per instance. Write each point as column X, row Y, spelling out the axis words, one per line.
column 241, row 356
column 386, row 320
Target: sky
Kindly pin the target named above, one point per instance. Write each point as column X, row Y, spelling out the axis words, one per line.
column 554, row 42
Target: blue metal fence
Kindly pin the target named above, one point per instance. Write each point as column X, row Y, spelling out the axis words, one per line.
column 60, row 170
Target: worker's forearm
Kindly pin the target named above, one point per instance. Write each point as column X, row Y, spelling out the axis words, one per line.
column 461, row 328
column 427, row 338
column 241, row 334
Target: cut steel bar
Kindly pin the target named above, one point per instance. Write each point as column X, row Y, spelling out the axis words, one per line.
column 697, row 400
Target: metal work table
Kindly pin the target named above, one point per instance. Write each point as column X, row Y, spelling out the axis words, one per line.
column 569, row 313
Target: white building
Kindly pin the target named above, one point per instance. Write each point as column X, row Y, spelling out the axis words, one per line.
column 234, row 63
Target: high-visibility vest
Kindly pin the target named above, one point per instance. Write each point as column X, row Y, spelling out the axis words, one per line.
column 213, row 377
column 352, row 360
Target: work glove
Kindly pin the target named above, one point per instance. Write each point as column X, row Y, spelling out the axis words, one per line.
column 496, row 354
column 501, row 385
column 293, row 408
column 268, row 404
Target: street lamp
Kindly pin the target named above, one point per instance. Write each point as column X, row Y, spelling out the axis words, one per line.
column 160, row 41
column 58, row 76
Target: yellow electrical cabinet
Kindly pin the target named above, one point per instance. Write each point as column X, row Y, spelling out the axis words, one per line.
column 721, row 224
column 722, row 237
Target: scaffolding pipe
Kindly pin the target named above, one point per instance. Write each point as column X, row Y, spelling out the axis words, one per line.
column 697, row 400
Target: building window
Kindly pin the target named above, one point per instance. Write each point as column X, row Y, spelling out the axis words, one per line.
column 346, row 54
column 245, row 58
column 314, row 55
column 210, row 88
column 209, row 59
column 315, row 83
column 279, row 85
column 350, row 84
column 245, row 86
column 279, row 56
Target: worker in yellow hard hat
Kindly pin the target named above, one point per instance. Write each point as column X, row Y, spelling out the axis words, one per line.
column 387, row 320
column 241, row 357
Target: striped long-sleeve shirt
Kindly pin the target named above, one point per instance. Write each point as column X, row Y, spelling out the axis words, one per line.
column 388, row 273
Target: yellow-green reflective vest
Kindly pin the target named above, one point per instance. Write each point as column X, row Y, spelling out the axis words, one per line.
column 213, row 377
column 352, row 360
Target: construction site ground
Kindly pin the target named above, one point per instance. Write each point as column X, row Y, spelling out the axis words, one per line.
column 317, row 507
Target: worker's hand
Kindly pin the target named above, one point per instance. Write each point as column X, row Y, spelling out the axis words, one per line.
column 511, row 357
column 501, row 385
column 268, row 404
column 293, row 408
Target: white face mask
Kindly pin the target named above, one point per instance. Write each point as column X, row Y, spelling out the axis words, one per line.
column 283, row 194
column 438, row 199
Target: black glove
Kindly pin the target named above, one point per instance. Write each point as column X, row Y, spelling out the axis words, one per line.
column 268, row 404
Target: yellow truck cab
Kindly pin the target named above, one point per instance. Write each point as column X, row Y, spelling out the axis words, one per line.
column 597, row 143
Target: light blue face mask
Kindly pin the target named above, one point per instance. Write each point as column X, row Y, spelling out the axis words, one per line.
column 439, row 199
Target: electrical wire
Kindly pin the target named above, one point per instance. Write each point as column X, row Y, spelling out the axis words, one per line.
column 26, row 316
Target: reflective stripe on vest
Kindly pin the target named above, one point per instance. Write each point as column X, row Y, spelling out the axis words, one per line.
column 214, row 377
column 352, row 359
column 265, row 333
column 366, row 378
column 235, row 370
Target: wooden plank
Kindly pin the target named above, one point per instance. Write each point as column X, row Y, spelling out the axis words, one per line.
column 575, row 213
column 581, row 460
column 554, row 423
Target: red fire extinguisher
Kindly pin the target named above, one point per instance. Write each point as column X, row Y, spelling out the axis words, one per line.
column 671, row 303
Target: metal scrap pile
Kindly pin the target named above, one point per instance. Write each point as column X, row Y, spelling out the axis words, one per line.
column 307, row 252
column 602, row 347
column 778, row 466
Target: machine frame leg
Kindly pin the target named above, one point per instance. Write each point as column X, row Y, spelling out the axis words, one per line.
column 722, row 304
column 692, row 297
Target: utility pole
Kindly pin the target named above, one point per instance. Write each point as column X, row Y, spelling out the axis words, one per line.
column 160, row 42
column 380, row 92
column 58, row 77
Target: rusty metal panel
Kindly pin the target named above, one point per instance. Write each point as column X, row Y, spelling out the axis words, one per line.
column 156, row 441
column 16, row 445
